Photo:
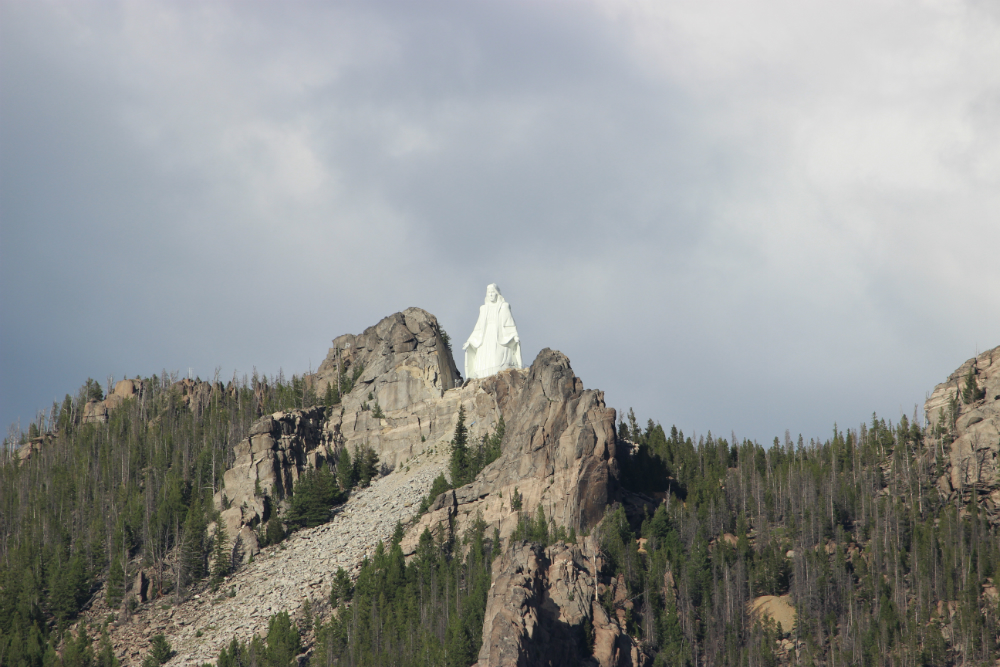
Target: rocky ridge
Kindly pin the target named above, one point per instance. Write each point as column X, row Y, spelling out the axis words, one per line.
column 405, row 371
column 968, row 431
column 268, row 462
column 558, row 453
column 195, row 394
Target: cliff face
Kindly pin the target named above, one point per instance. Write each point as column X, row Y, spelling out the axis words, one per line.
column 543, row 609
column 967, row 427
column 409, row 374
column 404, row 356
column 405, row 368
column 558, row 452
column 268, row 463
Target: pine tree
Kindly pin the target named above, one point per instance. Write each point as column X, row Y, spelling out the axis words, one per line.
column 221, row 555
column 160, row 650
column 365, row 465
column 634, row 432
column 274, row 533
column 345, row 471
column 69, row 587
column 315, row 493
column 971, row 392
column 105, row 654
column 330, row 398
column 283, row 641
column 495, row 441
column 340, row 590
column 459, row 464
column 116, row 582
column 540, row 530
column 93, row 390
column 195, row 536
column 79, row 651
column 370, row 464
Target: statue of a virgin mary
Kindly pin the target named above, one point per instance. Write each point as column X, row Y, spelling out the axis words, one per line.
column 494, row 345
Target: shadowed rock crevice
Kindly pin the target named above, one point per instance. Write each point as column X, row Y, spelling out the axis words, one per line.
column 542, row 609
column 269, row 461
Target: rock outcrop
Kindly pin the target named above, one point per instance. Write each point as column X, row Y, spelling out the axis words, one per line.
column 379, row 350
column 195, row 394
column 544, row 609
column 401, row 367
column 778, row 608
column 268, row 462
column 30, row 448
column 406, row 372
column 558, row 452
column 96, row 412
column 124, row 390
column 967, row 427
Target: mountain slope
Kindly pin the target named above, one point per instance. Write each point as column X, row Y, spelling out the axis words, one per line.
column 603, row 543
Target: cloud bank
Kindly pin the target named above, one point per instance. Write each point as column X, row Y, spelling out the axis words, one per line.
column 730, row 217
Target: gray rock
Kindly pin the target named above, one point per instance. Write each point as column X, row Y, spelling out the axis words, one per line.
column 141, row 586
column 558, row 452
column 538, row 605
column 271, row 459
column 971, row 443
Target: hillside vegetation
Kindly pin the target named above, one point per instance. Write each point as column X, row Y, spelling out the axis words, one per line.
column 850, row 532
column 89, row 499
column 874, row 560
column 880, row 569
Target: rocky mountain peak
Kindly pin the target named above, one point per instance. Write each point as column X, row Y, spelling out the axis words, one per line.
column 964, row 417
column 399, row 369
column 558, row 452
column 401, row 397
column 402, row 360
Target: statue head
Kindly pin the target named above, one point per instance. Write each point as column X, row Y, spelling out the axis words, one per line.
column 492, row 293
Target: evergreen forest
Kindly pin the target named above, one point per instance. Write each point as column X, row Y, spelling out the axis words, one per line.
column 95, row 497
column 880, row 567
column 881, row 570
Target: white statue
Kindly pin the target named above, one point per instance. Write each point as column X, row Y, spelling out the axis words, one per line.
column 494, row 345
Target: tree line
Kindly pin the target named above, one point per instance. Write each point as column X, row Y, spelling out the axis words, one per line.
column 425, row 613
column 95, row 501
column 881, row 568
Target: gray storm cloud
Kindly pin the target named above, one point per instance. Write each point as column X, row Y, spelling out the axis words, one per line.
column 729, row 216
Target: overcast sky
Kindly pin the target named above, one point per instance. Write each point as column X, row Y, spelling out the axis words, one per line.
column 731, row 216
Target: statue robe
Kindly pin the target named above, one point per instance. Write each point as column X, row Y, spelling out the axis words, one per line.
column 492, row 347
